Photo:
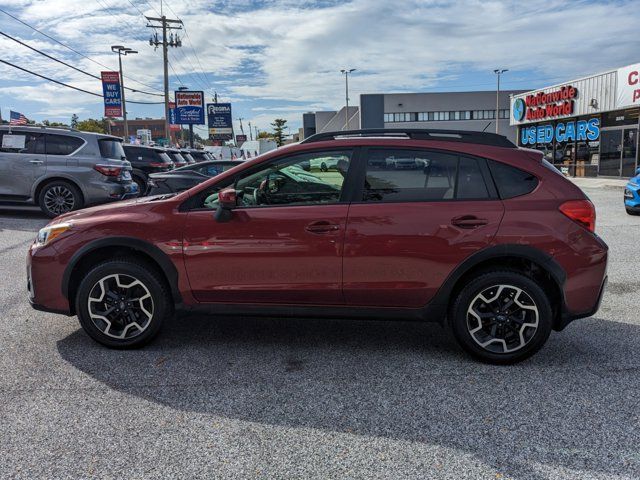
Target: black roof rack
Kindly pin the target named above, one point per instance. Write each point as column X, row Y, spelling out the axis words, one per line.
column 464, row 136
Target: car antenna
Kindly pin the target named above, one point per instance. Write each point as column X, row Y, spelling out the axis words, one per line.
column 486, row 126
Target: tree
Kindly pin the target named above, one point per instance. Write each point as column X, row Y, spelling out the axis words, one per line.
column 264, row 135
column 91, row 125
column 47, row 123
column 279, row 124
column 74, row 121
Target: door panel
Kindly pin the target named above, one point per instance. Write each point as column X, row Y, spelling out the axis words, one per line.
column 20, row 167
column 399, row 254
column 629, row 147
column 610, row 152
column 285, row 254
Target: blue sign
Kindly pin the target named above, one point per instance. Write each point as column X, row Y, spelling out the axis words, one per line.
column 189, row 107
column 570, row 131
column 220, row 121
column 518, row 109
column 112, row 94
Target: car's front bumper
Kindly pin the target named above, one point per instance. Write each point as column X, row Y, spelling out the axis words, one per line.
column 632, row 197
column 44, row 277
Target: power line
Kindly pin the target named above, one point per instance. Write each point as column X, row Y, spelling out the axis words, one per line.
column 69, row 65
column 70, row 48
column 66, row 84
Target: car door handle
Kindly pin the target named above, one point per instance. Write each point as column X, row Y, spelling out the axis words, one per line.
column 322, row 227
column 469, row 221
column 36, row 162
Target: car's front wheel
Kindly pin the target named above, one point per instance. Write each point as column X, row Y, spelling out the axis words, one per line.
column 501, row 317
column 632, row 212
column 122, row 303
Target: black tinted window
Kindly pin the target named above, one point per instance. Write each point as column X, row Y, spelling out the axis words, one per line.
column 470, row 181
column 111, row 149
column 511, row 181
column 21, row 142
column 421, row 175
column 62, row 144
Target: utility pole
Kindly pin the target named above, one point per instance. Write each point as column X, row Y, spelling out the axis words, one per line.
column 166, row 42
column 256, row 127
column 120, row 50
column 498, row 72
column 346, row 73
column 250, row 132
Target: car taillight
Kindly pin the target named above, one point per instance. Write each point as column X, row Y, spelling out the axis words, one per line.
column 582, row 212
column 159, row 164
column 108, row 170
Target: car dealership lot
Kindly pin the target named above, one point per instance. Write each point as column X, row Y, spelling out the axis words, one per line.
column 272, row 398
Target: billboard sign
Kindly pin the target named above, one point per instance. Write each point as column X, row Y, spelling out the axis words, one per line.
column 112, row 94
column 189, row 107
column 628, row 87
column 240, row 139
column 173, row 126
column 220, row 121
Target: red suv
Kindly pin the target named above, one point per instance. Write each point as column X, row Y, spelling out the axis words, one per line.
column 471, row 232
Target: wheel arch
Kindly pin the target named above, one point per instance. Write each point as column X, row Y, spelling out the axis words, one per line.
column 112, row 247
column 532, row 262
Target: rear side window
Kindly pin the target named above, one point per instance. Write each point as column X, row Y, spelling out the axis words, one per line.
column 62, row 144
column 511, row 181
column 111, row 149
column 422, row 175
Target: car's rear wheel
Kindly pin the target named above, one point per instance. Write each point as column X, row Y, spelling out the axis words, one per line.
column 142, row 184
column 59, row 197
column 501, row 317
column 122, row 303
column 323, row 167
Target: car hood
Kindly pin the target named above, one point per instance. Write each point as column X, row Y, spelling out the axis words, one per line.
column 115, row 207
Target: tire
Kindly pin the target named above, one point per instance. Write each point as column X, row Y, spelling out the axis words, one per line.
column 631, row 212
column 59, row 197
column 142, row 185
column 142, row 320
column 323, row 167
column 504, row 337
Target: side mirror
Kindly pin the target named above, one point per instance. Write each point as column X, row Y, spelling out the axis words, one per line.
column 227, row 199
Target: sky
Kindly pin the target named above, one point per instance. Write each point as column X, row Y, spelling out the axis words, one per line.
column 280, row 58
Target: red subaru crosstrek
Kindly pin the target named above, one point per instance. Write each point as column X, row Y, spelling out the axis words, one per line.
column 471, row 232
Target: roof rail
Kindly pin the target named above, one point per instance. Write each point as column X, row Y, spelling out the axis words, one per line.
column 463, row 136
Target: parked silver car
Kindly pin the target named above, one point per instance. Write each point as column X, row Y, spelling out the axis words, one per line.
column 62, row 169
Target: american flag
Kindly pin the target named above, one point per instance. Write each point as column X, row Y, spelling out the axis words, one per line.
column 16, row 118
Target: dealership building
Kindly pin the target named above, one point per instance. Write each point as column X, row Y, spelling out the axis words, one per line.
column 443, row 110
column 586, row 127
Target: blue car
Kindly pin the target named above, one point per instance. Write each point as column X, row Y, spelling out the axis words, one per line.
column 632, row 195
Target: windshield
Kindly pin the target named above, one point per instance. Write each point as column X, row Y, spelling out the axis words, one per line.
column 110, row 148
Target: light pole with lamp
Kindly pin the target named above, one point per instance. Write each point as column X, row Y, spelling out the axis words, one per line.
column 120, row 50
column 346, row 73
column 498, row 72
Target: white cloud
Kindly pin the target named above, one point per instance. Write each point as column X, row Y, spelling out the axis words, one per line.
column 287, row 50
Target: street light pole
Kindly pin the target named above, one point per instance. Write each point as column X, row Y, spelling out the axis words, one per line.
column 120, row 50
column 346, row 73
column 498, row 72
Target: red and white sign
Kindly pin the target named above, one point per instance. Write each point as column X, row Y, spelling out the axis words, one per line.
column 628, row 87
column 559, row 102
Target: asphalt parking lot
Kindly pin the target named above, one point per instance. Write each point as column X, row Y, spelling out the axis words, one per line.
column 271, row 398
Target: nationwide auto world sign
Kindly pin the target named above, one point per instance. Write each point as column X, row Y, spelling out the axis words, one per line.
column 189, row 107
column 543, row 106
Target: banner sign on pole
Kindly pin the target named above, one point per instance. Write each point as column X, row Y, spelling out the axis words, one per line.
column 240, row 139
column 112, row 94
column 173, row 126
column 220, row 121
column 189, row 107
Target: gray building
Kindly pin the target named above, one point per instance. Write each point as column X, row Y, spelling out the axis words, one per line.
column 447, row 111
column 330, row 121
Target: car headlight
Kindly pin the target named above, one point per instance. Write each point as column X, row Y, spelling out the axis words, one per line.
column 49, row 233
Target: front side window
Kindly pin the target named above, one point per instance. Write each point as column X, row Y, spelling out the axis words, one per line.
column 307, row 179
column 421, row 175
column 62, row 144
